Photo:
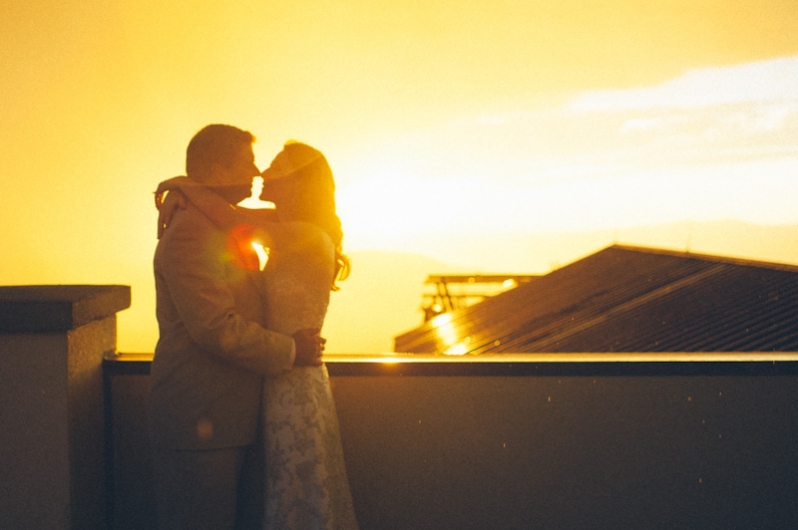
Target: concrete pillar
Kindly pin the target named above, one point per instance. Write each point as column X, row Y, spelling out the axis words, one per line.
column 52, row 442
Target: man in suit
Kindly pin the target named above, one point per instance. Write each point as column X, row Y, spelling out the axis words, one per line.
column 212, row 353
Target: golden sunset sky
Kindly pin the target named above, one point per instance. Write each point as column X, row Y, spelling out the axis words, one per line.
column 442, row 121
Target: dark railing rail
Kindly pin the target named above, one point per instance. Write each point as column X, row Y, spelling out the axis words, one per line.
column 527, row 364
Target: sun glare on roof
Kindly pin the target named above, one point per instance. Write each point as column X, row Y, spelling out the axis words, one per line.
column 447, row 334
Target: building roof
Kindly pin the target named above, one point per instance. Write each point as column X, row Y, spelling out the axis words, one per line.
column 628, row 299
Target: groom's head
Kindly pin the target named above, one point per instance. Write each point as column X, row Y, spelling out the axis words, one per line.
column 220, row 156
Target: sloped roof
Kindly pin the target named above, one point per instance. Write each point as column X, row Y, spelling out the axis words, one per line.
column 628, row 299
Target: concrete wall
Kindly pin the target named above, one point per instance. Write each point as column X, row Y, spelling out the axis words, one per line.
column 543, row 445
column 52, row 440
column 525, row 441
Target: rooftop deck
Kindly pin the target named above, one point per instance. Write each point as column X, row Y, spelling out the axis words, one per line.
column 540, row 440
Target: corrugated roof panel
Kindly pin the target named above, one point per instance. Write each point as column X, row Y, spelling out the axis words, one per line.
column 724, row 313
column 578, row 291
column 629, row 299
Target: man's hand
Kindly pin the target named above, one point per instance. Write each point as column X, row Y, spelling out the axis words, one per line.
column 309, row 346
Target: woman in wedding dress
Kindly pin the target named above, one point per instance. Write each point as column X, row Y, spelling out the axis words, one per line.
column 306, row 483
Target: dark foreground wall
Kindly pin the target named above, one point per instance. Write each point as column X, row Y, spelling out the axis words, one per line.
column 527, row 442
column 52, row 428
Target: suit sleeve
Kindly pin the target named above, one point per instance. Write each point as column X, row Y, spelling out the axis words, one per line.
column 198, row 286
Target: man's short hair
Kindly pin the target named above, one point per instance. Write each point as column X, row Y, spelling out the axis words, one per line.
column 214, row 144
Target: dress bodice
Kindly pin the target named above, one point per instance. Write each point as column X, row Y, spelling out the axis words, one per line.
column 298, row 277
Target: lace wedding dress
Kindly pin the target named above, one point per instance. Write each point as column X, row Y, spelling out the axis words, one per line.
column 306, row 482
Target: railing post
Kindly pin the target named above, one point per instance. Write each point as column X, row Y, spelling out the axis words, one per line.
column 52, row 433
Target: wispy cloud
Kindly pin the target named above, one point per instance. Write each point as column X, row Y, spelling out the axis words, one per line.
column 708, row 116
column 716, row 143
column 770, row 81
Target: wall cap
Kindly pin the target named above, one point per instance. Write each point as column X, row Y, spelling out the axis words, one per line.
column 53, row 308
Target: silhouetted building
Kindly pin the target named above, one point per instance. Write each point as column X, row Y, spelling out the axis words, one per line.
column 628, row 299
column 456, row 291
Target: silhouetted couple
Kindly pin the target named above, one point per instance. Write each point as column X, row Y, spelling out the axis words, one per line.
column 243, row 426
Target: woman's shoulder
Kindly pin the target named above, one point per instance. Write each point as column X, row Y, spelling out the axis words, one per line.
column 303, row 234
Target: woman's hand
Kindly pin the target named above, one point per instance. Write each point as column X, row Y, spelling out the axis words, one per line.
column 174, row 183
column 175, row 200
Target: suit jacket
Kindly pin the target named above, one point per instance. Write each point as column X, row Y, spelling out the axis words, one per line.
column 207, row 374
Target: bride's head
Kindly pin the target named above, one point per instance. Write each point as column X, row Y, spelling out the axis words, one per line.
column 300, row 183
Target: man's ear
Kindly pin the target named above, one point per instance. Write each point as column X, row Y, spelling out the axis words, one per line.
column 217, row 174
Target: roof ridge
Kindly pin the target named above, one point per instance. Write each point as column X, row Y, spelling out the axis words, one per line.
column 705, row 257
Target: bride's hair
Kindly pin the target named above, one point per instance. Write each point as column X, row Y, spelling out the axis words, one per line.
column 314, row 201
